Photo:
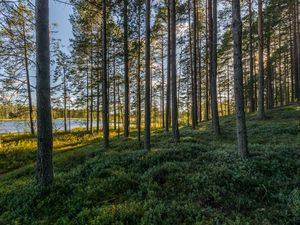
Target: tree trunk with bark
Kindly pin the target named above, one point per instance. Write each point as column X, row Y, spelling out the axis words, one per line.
column 213, row 31
column 168, row 98
column 261, row 107
column 44, row 118
column 173, row 70
column 147, row 144
column 195, row 71
column 126, row 71
column 104, row 79
column 139, row 114
column 26, row 60
column 238, row 80
column 251, row 60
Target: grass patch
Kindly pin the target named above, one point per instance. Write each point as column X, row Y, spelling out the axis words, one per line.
column 198, row 181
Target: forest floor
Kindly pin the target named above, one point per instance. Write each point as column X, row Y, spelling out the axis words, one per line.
column 198, row 181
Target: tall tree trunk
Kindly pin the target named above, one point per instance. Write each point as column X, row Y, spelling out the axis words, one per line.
column 168, row 98
column 286, row 80
column 147, row 144
column 104, row 79
column 188, row 104
column 70, row 114
column 44, row 119
column 91, row 88
column 238, row 80
column 255, row 82
column 199, row 47
column 251, row 60
column 108, row 75
column 65, row 100
column 206, row 115
column 292, row 57
column 162, row 83
column 87, row 102
column 28, row 79
column 228, row 90
column 199, row 52
column 220, row 99
column 270, row 96
column 212, row 10
column 114, row 91
column 195, row 104
column 139, row 104
column 298, row 43
column 98, row 94
column 296, row 49
column 126, row 72
column 280, row 69
column 261, row 107
column 194, row 98
column 119, row 106
column 178, row 85
column 173, row 70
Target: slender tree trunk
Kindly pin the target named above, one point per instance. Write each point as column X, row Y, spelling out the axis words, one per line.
column 168, row 105
column 173, row 70
column 126, row 70
column 44, row 119
column 98, row 96
column 270, row 96
column 28, row 80
column 195, row 104
column 108, row 76
column 255, row 82
column 147, row 144
column 104, row 79
column 162, row 83
column 212, row 10
column 65, row 101
column 192, row 68
column 220, row 99
column 114, row 91
column 188, row 105
column 251, row 86
column 261, row 107
column 70, row 114
column 179, row 85
column 286, row 80
column 200, row 73
column 87, row 103
column 238, row 79
column 139, row 104
column 228, row 90
column 91, row 88
column 298, row 44
column 206, row 115
column 119, row 107
column 292, row 58
column 296, row 49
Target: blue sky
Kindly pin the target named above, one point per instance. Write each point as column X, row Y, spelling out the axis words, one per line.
column 59, row 14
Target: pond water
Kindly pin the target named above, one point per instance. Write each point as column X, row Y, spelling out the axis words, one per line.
column 19, row 126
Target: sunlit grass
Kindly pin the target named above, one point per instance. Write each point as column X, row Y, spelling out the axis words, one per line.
column 20, row 149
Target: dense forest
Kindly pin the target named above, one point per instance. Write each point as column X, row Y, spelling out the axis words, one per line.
column 190, row 112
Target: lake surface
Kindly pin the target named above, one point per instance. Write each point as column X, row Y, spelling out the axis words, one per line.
column 19, row 126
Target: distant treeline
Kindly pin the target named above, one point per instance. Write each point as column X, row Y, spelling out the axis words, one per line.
column 20, row 112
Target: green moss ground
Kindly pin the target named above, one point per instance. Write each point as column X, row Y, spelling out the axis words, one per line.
column 198, row 181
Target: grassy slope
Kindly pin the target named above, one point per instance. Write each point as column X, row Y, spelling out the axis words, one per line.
column 199, row 181
column 18, row 150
